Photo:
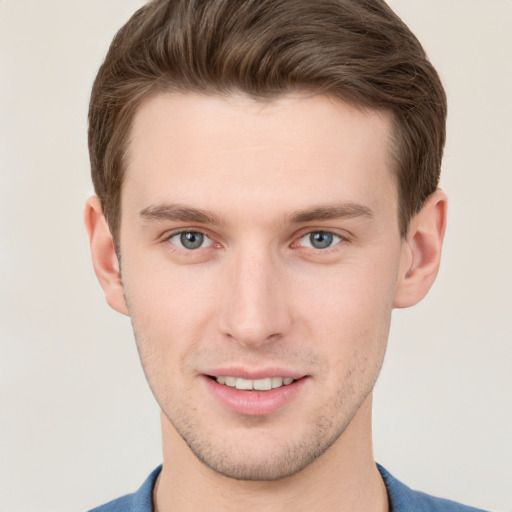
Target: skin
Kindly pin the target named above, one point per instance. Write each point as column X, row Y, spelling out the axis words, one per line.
column 258, row 296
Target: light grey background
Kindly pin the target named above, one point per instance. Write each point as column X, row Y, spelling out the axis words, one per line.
column 78, row 425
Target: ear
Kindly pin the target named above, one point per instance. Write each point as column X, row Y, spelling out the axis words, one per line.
column 104, row 257
column 421, row 251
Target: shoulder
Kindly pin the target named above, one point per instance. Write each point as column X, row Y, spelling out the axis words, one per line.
column 404, row 499
column 139, row 501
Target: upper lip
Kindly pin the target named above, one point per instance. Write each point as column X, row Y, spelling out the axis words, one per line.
column 254, row 374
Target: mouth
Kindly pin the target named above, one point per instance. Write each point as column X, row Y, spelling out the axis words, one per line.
column 256, row 397
column 265, row 384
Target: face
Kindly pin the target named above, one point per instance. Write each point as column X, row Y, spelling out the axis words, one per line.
column 260, row 251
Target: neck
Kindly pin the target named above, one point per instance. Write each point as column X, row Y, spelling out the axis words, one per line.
column 344, row 478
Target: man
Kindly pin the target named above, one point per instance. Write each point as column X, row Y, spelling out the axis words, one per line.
column 266, row 175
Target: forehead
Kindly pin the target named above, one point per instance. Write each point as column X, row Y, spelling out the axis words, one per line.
column 234, row 150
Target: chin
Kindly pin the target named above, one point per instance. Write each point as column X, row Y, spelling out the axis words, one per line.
column 267, row 470
column 264, row 458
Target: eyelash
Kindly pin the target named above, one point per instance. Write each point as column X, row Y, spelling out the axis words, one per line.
column 336, row 240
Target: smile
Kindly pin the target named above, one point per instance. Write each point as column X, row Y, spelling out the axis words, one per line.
column 255, row 397
column 265, row 384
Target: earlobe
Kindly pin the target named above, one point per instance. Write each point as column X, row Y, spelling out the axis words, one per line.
column 104, row 257
column 421, row 255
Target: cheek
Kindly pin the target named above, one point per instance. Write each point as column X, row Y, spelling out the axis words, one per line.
column 162, row 291
column 169, row 307
column 167, row 315
column 350, row 294
column 349, row 315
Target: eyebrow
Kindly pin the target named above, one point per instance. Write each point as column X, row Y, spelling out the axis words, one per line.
column 331, row 212
column 182, row 213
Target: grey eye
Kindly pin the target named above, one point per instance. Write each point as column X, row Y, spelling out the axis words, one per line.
column 320, row 240
column 190, row 240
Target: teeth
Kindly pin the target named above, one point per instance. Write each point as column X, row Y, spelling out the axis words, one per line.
column 243, row 383
column 230, row 381
column 262, row 384
column 258, row 384
column 277, row 382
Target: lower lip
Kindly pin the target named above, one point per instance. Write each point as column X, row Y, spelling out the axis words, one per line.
column 254, row 403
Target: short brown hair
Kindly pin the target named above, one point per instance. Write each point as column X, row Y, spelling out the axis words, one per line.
column 356, row 50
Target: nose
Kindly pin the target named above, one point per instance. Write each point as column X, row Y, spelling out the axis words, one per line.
column 254, row 307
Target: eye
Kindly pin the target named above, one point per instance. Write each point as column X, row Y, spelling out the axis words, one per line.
column 320, row 240
column 190, row 240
